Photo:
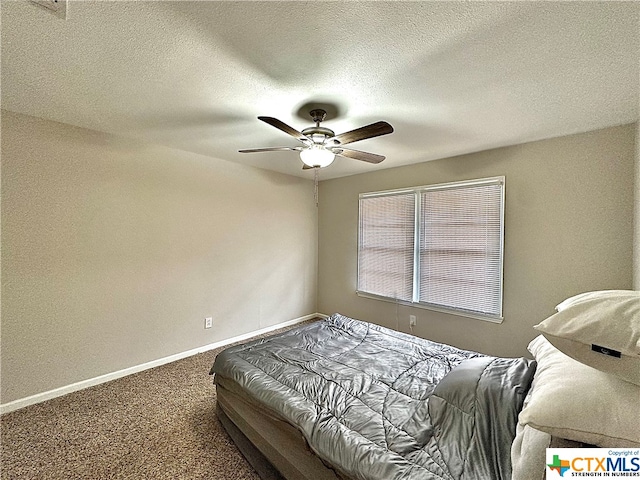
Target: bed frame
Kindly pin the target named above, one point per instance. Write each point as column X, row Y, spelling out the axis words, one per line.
column 272, row 446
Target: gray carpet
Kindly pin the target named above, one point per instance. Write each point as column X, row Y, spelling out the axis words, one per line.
column 156, row 424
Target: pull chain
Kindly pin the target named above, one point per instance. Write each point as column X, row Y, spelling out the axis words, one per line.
column 315, row 184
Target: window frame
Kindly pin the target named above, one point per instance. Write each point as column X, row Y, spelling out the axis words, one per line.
column 417, row 225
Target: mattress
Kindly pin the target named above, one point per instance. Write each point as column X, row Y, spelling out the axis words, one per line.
column 373, row 403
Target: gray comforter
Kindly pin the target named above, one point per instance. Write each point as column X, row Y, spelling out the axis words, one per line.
column 378, row 404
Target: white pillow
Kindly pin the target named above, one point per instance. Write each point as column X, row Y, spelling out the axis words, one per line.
column 571, row 400
column 599, row 329
column 594, row 295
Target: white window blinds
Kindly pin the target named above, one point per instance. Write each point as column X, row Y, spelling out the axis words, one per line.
column 461, row 248
column 439, row 246
column 385, row 252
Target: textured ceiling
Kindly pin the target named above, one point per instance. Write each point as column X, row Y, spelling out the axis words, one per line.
column 451, row 77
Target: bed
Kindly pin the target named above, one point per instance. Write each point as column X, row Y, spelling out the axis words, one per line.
column 373, row 403
column 342, row 398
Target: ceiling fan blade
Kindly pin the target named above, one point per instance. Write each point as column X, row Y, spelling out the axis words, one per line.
column 358, row 155
column 274, row 122
column 269, row 149
column 368, row 131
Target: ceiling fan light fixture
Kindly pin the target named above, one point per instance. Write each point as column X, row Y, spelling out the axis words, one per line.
column 317, row 156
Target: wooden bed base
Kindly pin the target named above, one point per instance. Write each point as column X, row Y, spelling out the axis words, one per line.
column 258, row 461
column 276, row 449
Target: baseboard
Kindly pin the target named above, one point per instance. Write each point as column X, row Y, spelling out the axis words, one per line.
column 58, row 392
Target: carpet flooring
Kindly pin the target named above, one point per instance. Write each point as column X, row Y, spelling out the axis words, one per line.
column 156, row 424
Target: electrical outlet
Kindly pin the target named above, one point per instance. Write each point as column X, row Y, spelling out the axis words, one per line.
column 208, row 322
column 412, row 320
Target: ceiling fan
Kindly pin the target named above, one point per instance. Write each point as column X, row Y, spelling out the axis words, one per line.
column 321, row 145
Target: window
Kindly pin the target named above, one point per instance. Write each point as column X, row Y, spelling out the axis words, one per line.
column 436, row 246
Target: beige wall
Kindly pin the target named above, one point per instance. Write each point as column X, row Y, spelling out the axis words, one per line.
column 114, row 252
column 568, row 220
column 636, row 237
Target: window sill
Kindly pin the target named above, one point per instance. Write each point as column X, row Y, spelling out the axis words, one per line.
column 434, row 308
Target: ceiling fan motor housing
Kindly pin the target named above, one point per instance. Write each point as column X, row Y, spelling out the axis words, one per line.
column 318, row 134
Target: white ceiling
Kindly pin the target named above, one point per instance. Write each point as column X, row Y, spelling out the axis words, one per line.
column 451, row 77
